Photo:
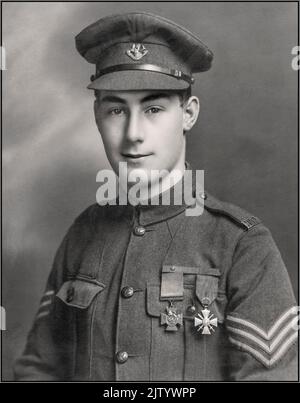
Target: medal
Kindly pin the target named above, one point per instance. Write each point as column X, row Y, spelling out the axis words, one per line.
column 172, row 319
column 205, row 320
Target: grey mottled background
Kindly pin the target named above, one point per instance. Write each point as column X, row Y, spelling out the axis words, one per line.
column 245, row 139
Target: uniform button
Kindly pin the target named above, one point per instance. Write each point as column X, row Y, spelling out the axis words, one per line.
column 121, row 357
column 139, row 231
column 70, row 294
column 203, row 196
column 191, row 309
column 127, row 292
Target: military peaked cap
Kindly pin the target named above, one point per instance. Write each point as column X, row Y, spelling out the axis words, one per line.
column 140, row 50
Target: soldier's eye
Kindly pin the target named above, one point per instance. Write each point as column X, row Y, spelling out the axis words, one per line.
column 153, row 110
column 116, row 111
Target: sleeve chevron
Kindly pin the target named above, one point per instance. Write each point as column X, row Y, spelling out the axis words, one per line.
column 269, row 346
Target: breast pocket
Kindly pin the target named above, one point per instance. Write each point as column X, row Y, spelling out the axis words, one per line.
column 76, row 303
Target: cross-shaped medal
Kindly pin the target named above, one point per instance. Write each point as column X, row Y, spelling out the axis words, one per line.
column 172, row 318
column 206, row 321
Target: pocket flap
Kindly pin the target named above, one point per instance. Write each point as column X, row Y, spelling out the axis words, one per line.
column 203, row 270
column 79, row 293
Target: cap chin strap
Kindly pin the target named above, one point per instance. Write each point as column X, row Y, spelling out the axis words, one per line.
column 145, row 67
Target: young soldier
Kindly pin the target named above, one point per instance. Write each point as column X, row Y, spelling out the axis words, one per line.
column 147, row 293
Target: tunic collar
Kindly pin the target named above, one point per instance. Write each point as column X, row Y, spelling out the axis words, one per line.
column 151, row 214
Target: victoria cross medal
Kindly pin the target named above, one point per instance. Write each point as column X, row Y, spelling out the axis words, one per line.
column 172, row 319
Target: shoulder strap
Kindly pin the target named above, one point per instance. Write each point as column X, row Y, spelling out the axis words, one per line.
column 235, row 213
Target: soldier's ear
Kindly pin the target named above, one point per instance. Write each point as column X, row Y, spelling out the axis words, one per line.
column 191, row 109
column 96, row 106
column 96, row 101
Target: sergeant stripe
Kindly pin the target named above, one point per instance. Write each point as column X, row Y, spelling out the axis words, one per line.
column 46, row 300
column 268, row 348
column 51, row 292
column 269, row 334
column 42, row 315
column 260, row 357
column 45, row 303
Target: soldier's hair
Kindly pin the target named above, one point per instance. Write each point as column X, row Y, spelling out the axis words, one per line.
column 183, row 95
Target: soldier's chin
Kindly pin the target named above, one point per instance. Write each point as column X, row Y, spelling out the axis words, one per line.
column 141, row 177
column 138, row 175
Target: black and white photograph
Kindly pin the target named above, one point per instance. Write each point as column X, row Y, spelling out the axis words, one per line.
column 150, row 211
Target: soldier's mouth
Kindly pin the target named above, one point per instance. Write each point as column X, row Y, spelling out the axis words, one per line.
column 135, row 156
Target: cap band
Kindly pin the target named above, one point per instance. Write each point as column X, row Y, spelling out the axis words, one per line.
column 145, row 67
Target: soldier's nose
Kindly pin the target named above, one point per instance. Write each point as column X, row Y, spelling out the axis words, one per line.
column 134, row 130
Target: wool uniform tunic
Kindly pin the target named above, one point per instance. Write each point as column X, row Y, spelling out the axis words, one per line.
column 148, row 293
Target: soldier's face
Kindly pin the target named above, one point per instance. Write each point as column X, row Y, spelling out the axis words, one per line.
column 144, row 128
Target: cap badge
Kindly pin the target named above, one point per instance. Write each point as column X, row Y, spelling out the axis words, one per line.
column 137, row 51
